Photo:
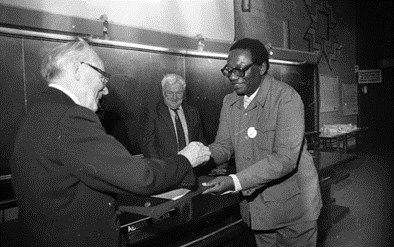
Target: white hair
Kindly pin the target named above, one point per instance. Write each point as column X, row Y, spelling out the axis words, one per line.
column 173, row 79
column 62, row 56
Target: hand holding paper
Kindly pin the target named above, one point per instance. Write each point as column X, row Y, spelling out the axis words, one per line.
column 219, row 185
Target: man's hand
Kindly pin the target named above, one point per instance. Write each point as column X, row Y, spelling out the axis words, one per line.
column 219, row 185
column 196, row 153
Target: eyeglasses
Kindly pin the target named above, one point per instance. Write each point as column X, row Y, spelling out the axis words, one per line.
column 172, row 94
column 106, row 76
column 235, row 71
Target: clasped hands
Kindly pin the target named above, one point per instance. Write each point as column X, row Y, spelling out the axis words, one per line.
column 196, row 152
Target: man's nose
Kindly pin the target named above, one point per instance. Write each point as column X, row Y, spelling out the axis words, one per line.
column 233, row 77
column 173, row 96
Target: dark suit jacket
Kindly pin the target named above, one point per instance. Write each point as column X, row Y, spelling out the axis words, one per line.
column 158, row 136
column 66, row 171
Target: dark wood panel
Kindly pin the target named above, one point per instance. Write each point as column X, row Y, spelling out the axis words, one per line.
column 34, row 52
column 301, row 77
column 12, row 99
column 206, row 90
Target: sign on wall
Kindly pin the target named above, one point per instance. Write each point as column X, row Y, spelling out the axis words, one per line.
column 369, row 76
column 329, row 93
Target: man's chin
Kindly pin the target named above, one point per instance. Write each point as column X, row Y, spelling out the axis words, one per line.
column 239, row 89
column 174, row 106
column 239, row 92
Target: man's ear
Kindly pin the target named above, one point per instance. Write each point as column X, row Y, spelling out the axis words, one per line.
column 77, row 70
column 263, row 68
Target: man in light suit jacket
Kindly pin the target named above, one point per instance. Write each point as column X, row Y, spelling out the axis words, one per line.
column 161, row 135
column 66, row 171
column 262, row 124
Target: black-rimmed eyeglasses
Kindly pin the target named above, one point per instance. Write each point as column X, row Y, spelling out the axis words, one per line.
column 235, row 71
column 106, row 76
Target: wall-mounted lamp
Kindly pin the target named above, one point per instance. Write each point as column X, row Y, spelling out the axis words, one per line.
column 339, row 50
column 364, row 89
column 200, row 44
column 268, row 46
column 245, row 5
column 104, row 18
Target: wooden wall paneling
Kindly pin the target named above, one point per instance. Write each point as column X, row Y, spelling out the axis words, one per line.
column 301, row 78
column 34, row 52
column 206, row 88
column 12, row 99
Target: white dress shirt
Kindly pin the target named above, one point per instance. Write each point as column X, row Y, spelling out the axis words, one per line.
column 66, row 91
column 183, row 122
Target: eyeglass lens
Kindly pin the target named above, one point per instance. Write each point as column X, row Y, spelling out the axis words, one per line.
column 172, row 94
column 235, row 71
column 106, row 76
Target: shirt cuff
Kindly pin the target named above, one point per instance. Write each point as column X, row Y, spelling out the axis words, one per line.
column 237, row 184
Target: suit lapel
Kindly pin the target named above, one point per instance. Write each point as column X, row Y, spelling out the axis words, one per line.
column 165, row 114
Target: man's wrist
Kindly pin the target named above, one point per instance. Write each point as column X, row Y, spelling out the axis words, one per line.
column 237, row 184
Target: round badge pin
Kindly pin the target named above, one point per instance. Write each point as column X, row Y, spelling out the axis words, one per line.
column 252, row 132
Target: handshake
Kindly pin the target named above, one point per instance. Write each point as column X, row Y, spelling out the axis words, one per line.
column 196, row 153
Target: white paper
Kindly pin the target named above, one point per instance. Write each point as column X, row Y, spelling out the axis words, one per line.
column 173, row 194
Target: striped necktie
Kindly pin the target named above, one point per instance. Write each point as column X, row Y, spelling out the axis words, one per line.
column 179, row 131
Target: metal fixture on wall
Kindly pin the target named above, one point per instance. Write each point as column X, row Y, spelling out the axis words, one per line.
column 104, row 18
column 200, row 39
column 109, row 43
column 245, row 5
column 268, row 46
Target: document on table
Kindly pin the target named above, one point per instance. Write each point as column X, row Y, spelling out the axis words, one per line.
column 173, row 194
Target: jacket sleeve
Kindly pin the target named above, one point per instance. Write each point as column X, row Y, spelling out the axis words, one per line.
column 148, row 136
column 104, row 164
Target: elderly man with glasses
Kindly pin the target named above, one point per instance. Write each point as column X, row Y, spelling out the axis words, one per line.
column 262, row 125
column 66, row 171
column 171, row 123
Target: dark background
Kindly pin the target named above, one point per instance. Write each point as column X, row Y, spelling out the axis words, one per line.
column 374, row 44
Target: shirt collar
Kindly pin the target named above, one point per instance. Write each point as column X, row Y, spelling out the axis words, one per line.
column 179, row 108
column 246, row 98
column 66, row 91
column 261, row 93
